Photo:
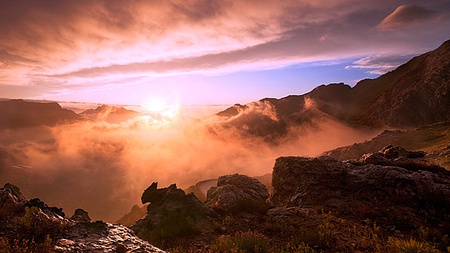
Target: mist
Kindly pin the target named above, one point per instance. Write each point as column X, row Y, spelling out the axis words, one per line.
column 104, row 167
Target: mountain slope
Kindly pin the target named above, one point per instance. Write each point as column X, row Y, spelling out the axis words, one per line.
column 416, row 93
column 19, row 113
column 433, row 139
column 109, row 113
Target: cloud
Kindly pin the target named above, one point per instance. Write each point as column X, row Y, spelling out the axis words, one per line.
column 405, row 15
column 61, row 46
column 380, row 64
column 104, row 167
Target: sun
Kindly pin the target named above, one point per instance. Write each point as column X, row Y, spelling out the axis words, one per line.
column 161, row 110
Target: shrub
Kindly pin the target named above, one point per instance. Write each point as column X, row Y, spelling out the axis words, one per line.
column 410, row 246
column 245, row 242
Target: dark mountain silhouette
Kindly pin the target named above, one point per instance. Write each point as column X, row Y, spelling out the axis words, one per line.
column 19, row 113
column 109, row 113
column 416, row 93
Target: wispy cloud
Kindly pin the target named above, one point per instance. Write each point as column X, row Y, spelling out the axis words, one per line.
column 59, row 45
column 380, row 64
column 405, row 15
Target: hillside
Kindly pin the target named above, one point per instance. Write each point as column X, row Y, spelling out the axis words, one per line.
column 19, row 113
column 433, row 139
column 416, row 93
column 112, row 114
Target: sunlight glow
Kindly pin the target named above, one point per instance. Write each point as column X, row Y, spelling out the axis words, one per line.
column 160, row 110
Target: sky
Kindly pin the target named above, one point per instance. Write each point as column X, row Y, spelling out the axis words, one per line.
column 203, row 51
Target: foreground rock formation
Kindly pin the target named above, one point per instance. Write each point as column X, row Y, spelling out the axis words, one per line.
column 238, row 194
column 374, row 203
column 390, row 175
column 386, row 201
column 32, row 226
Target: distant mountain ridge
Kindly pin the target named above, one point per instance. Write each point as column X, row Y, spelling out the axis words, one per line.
column 18, row 113
column 416, row 93
column 109, row 113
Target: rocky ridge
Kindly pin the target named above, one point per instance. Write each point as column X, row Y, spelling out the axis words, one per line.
column 34, row 226
column 111, row 114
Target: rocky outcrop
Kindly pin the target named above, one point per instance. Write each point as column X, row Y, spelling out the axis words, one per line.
column 390, row 178
column 237, row 194
column 41, row 228
column 102, row 237
column 170, row 214
column 435, row 139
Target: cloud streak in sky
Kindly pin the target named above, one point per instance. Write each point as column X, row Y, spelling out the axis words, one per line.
column 63, row 45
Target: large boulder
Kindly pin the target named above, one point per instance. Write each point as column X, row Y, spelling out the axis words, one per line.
column 238, row 194
column 303, row 181
column 171, row 214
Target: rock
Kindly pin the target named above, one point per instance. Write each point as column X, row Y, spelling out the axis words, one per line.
column 11, row 199
column 391, row 152
column 81, row 216
column 112, row 238
column 237, row 194
column 158, row 196
column 324, row 181
column 48, row 230
column 52, row 211
column 170, row 214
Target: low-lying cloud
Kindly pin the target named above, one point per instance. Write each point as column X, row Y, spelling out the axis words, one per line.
column 104, row 167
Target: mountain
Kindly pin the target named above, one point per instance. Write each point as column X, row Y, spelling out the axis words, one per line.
column 109, row 113
column 416, row 93
column 433, row 139
column 19, row 113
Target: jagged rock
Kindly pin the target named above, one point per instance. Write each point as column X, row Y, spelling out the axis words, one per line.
column 391, row 152
column 81, row 215
column 237, row 194
column 158, row 196
column 324, row 181
column 111, row 238
column 171, row 213
column 49, row 210
column 44, row 229
column 10, row 198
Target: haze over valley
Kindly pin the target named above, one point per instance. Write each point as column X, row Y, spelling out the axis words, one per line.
column 224, row 126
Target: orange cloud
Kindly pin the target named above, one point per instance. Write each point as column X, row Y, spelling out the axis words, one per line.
column 405, row 15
